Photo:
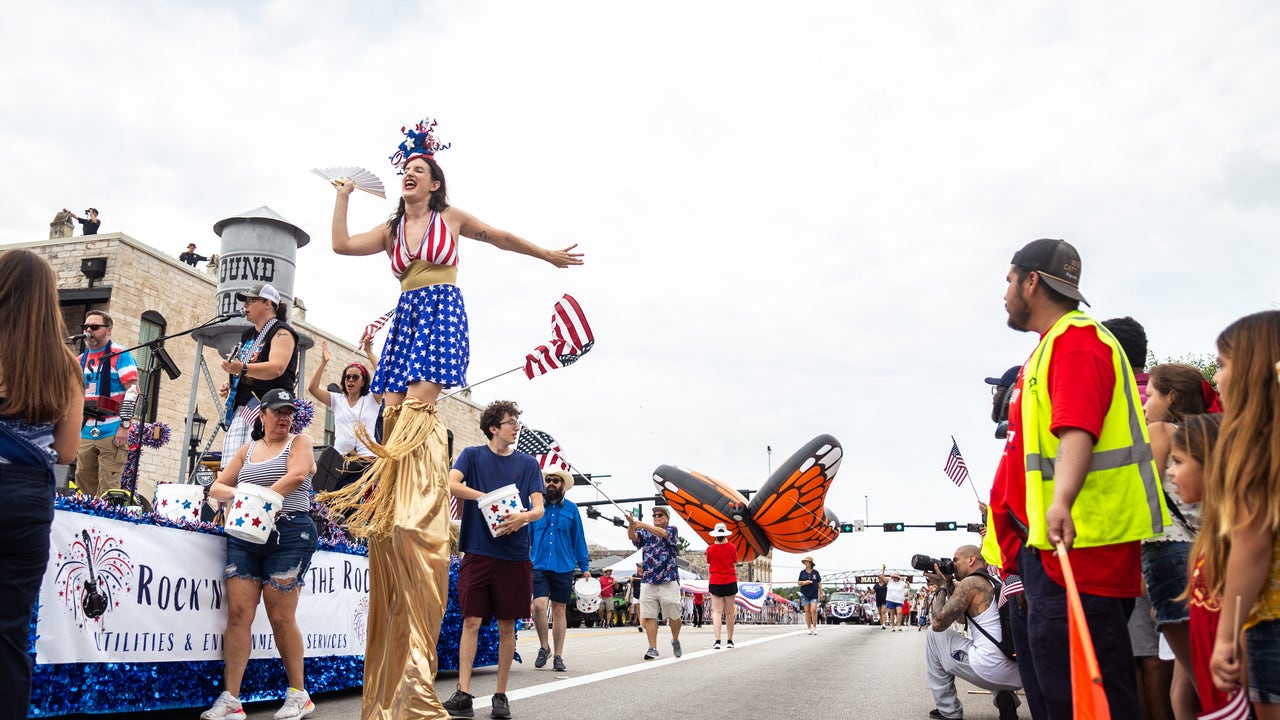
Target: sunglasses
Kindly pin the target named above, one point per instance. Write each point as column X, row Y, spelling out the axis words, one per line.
column 352, row 377
column 94, row 328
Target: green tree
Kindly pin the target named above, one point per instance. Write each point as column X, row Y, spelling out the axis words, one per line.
column 1207, row 364
column 682, row 544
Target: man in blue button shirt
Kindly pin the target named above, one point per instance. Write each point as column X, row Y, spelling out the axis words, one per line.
column 558, row 545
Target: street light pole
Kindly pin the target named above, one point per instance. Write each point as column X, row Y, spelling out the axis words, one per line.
column 769, row 452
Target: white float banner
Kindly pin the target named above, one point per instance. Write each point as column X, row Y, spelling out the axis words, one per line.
column 166, row 596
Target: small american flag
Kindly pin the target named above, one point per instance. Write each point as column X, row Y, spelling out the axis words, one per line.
column 956, row 469
column 250, row 411
column 1237, row 709
column 1012, row 586
column 372, row 328
column 571, row 339
column 543, row 448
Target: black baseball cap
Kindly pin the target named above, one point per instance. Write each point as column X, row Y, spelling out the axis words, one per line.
column 1057, row 262
column 277, row 398
column 1008, row 379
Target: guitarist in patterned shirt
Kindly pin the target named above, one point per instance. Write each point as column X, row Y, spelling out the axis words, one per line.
column 267, row 359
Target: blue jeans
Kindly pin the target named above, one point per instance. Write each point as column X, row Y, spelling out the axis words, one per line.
column 1164, row 567
column 1263, row 643
column 282, row 561
column 26, row 516
column 1047, row 637
column 1026, row 660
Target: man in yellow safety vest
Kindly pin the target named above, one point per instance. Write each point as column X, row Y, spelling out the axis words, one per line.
column 1077, row 469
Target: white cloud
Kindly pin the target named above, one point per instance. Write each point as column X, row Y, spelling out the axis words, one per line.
column 796, row 220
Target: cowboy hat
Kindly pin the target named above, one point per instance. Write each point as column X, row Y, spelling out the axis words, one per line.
column 564, row 475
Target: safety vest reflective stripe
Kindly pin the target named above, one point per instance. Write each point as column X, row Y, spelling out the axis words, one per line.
column 1102, row 460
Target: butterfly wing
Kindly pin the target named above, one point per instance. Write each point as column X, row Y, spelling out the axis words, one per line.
column 704, row 501
column 789, row 506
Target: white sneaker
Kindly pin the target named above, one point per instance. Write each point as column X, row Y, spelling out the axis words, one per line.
column 297, row 705
column 226, row 707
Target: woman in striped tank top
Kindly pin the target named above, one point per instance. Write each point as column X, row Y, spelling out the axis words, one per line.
column 427, row 349
column 276, row 570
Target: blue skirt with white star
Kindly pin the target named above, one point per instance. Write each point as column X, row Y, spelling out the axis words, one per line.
column 428, row 340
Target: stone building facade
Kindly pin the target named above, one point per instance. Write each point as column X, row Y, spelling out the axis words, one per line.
column 149, row 294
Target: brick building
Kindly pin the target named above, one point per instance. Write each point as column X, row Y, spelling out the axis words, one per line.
column 150, row 294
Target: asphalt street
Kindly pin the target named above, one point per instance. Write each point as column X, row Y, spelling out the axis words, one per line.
column 774, row 672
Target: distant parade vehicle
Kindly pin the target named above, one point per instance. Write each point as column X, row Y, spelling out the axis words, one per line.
column 844, row 607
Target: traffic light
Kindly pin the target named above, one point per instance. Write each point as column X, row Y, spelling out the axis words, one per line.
column 846, row 527
column 944, row 525
column 893, row 527
column 619, row 522
column 593, row 513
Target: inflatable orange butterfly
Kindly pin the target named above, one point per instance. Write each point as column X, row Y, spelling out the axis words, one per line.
column 786, row 513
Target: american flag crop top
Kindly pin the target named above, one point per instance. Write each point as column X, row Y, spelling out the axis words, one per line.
column 438, row 246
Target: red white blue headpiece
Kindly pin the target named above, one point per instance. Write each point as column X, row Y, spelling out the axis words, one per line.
column 419, row 141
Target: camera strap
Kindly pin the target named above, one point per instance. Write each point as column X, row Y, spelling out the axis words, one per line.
column 1005, row 646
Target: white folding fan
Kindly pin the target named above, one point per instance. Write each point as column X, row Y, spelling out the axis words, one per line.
column 364, row 179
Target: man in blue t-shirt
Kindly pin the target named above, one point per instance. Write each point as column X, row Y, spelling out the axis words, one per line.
column 496, row 576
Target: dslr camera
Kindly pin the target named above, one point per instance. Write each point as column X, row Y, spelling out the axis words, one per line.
column 924, row 563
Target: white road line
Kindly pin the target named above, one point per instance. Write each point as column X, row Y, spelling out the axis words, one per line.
column 643, row 665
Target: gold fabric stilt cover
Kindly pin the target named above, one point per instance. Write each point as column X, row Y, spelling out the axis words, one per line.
column 406, row 519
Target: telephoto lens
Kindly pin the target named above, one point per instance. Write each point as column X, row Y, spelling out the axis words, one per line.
column 925, row 563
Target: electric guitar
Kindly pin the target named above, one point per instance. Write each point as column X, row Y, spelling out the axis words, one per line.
column 241, row 352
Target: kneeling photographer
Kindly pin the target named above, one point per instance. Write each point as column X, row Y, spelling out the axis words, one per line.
column 966, row 591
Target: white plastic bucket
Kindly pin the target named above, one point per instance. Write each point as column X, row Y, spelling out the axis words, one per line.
column 499, row 504
column 178, row 501
column 588, row 594
column 252, row 514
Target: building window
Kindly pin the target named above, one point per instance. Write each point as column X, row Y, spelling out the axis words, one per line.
column 152, row 326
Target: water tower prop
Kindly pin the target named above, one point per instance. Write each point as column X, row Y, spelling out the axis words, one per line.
column 258, row 246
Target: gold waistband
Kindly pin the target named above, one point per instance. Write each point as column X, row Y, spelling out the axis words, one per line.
column 422, row 273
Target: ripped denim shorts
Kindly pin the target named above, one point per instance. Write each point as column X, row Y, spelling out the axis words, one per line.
column 282, row 561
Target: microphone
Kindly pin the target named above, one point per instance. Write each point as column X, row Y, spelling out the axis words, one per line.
column 230, row 315
column 73, row 338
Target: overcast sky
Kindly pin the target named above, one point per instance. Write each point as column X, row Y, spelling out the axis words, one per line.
column 797, row 220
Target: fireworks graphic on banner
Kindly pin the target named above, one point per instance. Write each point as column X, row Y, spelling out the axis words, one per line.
column 94, row 569
column 361, row 620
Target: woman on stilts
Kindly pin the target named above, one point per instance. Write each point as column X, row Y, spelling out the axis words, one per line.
column 406, row 514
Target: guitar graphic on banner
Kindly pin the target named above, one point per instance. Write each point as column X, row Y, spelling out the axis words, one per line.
column 94, row 603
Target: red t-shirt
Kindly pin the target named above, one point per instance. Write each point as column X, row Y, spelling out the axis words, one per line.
column 1081, row 378
column 606, row 586
column 720, row 557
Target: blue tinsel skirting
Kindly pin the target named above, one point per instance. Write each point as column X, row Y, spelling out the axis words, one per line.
column 123, row 687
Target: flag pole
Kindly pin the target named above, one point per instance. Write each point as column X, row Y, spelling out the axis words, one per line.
column 968, row 475
column 479, row 382
column 573, row 467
